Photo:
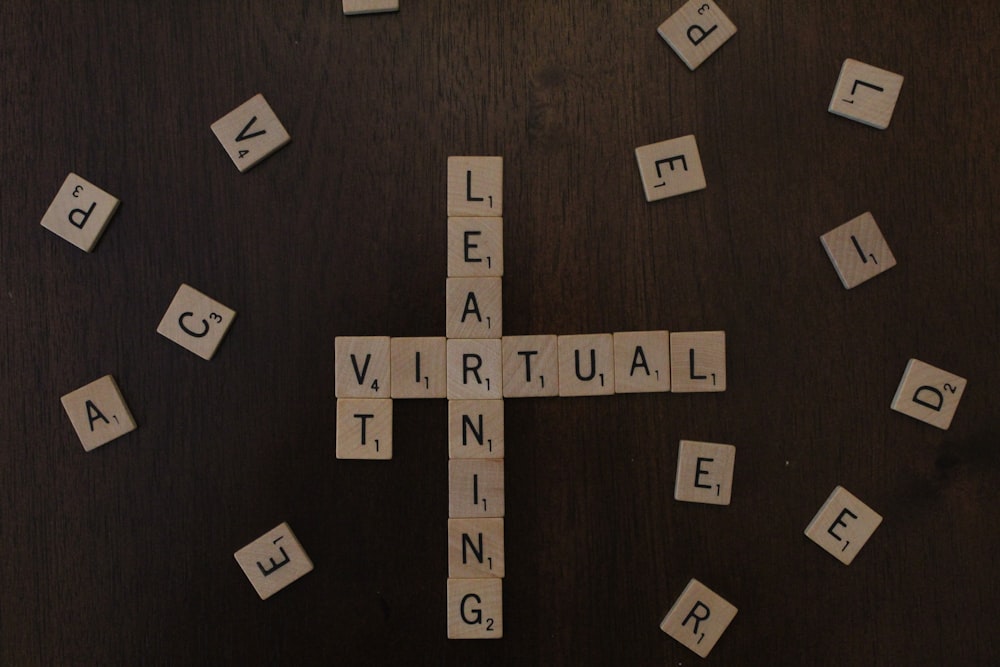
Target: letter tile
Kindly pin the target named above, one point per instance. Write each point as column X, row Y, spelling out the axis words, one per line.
column 98, row 413
column 858, row 250
column 530, row 366
column 696, row 31
column 866, row 94
column 475, row 608
column 670, row 168
column 586, row 365
column 475, row 429
column 364, row 428
column 475, row 247
column 475, row 548
column 419, row 367
column 928, row 394
column 843, row 525
column 80, row 212
column 704, row 472
column 475, row 186
column 250, row 132
column 196, row 322
column 352, row 7
column 698, row 618
column 475, row 488
column 697, row 361
column 273, row 560
column 363, row 366
column 642, row 361
column 474, row 308
column 475, row 368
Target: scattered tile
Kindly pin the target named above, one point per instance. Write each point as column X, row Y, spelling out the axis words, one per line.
column 858, row 250
column 696, row 31
column 80, row 212
column 98, row 413
column 196, row 322
column 843, row 525
column 273, row 560
column 704, row 472
column 928, row 394
column 670, row 168
column 866, row 94
column 698, row 618
column 250, row 132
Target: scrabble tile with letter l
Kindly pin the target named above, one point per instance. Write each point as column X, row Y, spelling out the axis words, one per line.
column 866, row 94
column 475, row 186
column 697, row 361
column 273, row 560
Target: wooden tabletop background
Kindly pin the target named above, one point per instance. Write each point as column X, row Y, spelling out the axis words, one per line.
column 124, row 555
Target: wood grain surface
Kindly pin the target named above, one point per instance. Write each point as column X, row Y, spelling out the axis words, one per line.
column 124, row 555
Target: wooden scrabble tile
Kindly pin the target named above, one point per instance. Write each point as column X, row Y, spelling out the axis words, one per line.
column 586, row 365
column 858, row 250
column 530, row 366
column 98, row 413
column 696, row 31
column 273, row 560
column 475, row 186
column 474, row 368
column 80, row 212
column 475, row 548
column 670, row 168
column 370, row 6
column 196, row 322
column 364, row 428
column 363, row 366
column 419, row 367
column 474, row 308
column 697, row 361
column 475, row 429
column 704, row 472
column 698, row 618
column 475, row 247
column 843, row 525
column 250, row 132
column 642, row 361
column 866, row 94
column 928, row 394
column 475, row 488
column 475, row 608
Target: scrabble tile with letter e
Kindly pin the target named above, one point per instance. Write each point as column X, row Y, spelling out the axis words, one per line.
column 696, row 31
column 698, row 618
column 928, row 394
column 80, row 212
column 250, row 132
column 670, row 168
column 364, row 428
column 866, row 94
column 704, row 472
column 475, row 608
column 858, row 250
column 98, row 412
column 697, row 361
column 475, row 186
column 196, row 322
column 273, row 560
column 843, row 525
column 475, row 247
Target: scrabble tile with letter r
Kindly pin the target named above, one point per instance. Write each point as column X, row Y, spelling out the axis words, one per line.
column 696, row 31
column 196, row 322
column 80, row 212
column 866, row 94
column 273, row 560
column 698, row 618
column 475, row 368
column 843, row 525
column 98, row 413
column 250, row 132
column 670, row 168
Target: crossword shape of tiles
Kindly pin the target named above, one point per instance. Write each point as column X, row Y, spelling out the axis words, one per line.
column 98, row 413
column 80, row 212
column 866, row 94
column 474, row 308
column 586, row 365
column 474, row 368
column 642, row 361
column 475, row 608
column 530, row 366
column 475, row 247
column 250, row 132
column 704, row 472
column 418, row 367
column 698, row 618
column 363, row 366
column 353, row 7
column 475, row 548
column 364, row 428
column 858, row 250
column 843, row 525
column 928, row 394
column 696, row 31
column 670, row 168
column 697, row 361
column 273, row 560
column 475, row 429
column 475, row 488
column 196, row 322
column 475, row 186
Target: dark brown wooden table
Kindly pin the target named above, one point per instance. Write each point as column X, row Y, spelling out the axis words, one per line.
column 124, row 555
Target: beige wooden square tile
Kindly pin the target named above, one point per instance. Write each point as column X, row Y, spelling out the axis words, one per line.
column 419, row 367
column 530, row 366
column 364, row 428
column 475, row 247
column 670, row 168
column 697, row 361
column 250, row 132
column 98, row 413
column 475, row 488
column 698, row 618
column 866, row 94
column 475, row 186
column 352, row 7
column 475, row 429
column 696, row 31
column 704, row 472
column 586, row 365
column 474, row 308
column 196, row 322
column 363, row 366
column 474, row 368
column 858, row 250
column 80, row 212
column 928, row 394
column 642, row 361
column 273, row 560
column 475, row 608
column 843, row 525
column 475, row 548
